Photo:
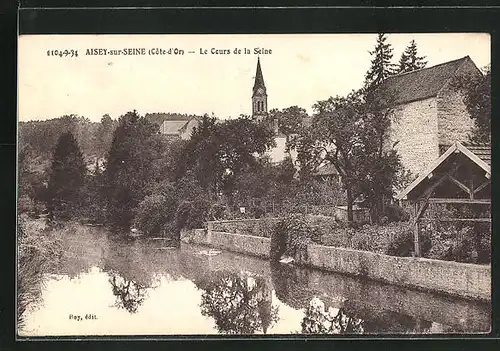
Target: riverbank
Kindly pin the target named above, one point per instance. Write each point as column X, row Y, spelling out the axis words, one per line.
column 463, row 280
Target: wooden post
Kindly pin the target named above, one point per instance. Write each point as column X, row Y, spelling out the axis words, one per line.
column 415, row 232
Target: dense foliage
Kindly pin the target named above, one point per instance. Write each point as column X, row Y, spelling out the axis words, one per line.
column 477, row 98
column 291, row 236
column 67, row 177
column 128, row 167
column 218, row 153
column 350, row 133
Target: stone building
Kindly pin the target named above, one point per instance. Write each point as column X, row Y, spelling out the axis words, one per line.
column 428, row 112
column 175, row 126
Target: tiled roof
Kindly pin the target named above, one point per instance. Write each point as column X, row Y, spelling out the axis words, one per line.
column 420, row 84
column 481, row 151
column 159, row 117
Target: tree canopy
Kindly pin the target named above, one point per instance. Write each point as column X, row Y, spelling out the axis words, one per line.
column 410, row 61
column 128, row 167
column 381, row 66
column 67, row 177
column 351, row 133
column 477, row 98
column 219, row 152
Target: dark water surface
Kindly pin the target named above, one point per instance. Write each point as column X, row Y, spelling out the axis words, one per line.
column 142, row 288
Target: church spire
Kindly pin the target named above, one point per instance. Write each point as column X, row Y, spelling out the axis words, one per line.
column 259, row 96
column 259, row 78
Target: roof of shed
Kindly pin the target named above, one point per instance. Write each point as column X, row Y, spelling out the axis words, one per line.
column 457, row 147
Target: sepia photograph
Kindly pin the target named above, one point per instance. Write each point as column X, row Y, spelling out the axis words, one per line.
column 254, row 184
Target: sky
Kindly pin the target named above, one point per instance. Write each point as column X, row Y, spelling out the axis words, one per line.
column 300, row 70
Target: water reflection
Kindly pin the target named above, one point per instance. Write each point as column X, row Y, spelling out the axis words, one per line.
column 240, row 303
column 141, row 289
column 129, row 294
column 318, row 320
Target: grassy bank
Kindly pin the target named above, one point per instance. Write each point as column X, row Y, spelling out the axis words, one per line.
column 42, row 249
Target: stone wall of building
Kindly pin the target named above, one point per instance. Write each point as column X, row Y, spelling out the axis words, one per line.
column 414, row 130
column 454, row 121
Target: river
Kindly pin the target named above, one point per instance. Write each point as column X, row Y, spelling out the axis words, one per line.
column 142, row 288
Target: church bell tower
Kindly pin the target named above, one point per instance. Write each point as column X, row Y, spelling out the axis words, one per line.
column 259, row 96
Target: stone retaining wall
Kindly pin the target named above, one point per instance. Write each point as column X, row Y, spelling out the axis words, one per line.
column 452, row 278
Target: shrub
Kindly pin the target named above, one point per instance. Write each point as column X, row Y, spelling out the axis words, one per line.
column 291, row 236
column 403, row 244
column 395, row 213
column 219, row 211
column 192, row 214
column 154, row 212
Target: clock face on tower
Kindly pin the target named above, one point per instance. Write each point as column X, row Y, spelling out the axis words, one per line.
column 260, row 90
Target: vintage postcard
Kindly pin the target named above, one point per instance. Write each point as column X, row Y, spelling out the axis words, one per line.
column 311, row 184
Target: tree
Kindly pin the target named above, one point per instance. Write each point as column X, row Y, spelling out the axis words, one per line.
column 128, row 170
column 477, row 98
column 219, row 152
column 381, row 66
column 67, row 176
column 105, row 135
column 350, row 133
column 410, row 61
column 200, row 155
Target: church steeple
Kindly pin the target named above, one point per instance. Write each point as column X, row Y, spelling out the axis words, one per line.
column 259, row 95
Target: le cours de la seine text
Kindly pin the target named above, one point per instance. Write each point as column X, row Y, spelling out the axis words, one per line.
column 158, row 51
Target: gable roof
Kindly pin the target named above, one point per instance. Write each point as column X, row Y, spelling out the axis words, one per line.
column 483, row 151
column 172, row 127
column 420, row 84
column 160, row 117
column 456, row 147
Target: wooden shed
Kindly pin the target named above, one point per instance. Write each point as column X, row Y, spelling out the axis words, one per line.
column 461, row 175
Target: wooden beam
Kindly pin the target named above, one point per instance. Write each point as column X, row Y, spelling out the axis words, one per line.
column 455, row 219
column 460, row 184
column 429, row 190
column 416, row 229
column 481, row 187
column 459, row 201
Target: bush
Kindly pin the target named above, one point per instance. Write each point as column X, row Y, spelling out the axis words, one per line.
column 395, row 213
column 154, row 212
column 219, row 211
column 291, row 236
column 192, row 214
column 403, row 244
